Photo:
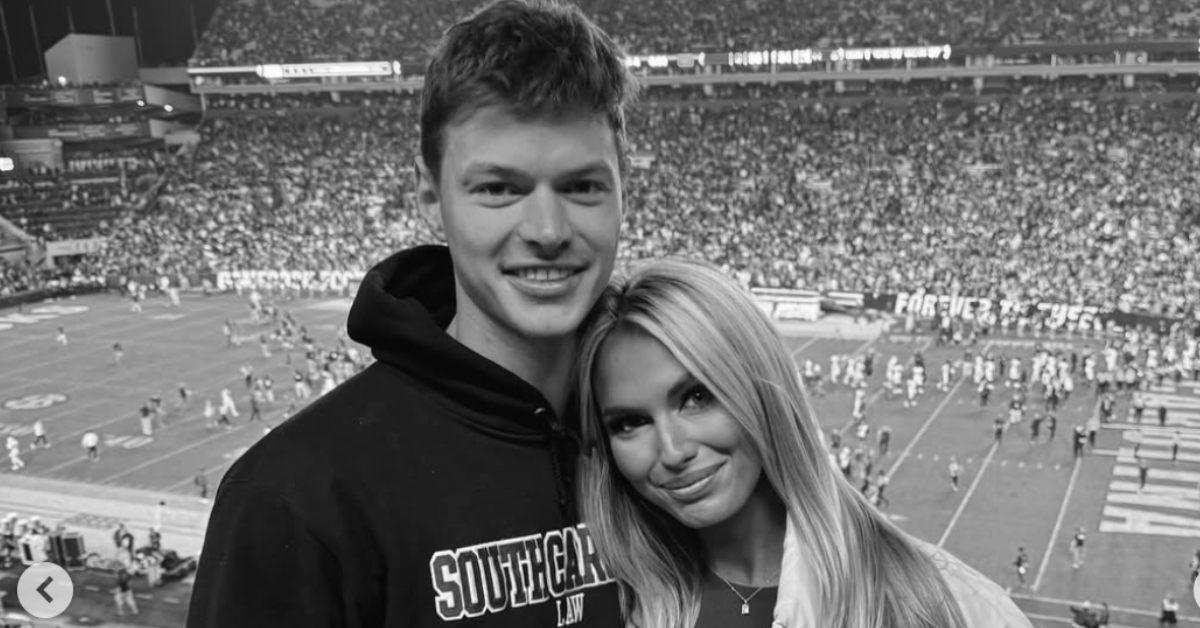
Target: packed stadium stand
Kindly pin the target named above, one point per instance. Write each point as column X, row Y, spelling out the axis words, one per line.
column 306, row 30
column 1076, row 190
column 1044, row 196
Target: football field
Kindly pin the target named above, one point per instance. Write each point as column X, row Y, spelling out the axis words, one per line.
column 1013, row 493
column 80, row 386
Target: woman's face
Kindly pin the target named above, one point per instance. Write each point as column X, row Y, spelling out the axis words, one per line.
column 669, row 436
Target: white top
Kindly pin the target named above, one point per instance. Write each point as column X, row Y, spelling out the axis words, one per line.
column 983, row 603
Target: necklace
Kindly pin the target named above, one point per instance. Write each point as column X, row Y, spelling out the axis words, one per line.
column 744, row 598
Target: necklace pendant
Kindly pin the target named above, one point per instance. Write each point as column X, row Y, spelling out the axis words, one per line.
column 745, row 608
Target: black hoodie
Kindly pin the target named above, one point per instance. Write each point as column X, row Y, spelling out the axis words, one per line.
column 432, row 489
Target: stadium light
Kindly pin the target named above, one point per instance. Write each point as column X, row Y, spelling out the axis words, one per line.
column 6, row 164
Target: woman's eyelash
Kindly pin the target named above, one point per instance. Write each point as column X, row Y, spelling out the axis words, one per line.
column 698, row 394
column 620, row 424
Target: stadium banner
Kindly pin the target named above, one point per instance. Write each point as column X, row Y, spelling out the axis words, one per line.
column 56, row 291
column 79, row 246
column 84, row 132
column 789, row 305
column 21, row 97
column 760, row 58
column 313, row 280
column 927, row 305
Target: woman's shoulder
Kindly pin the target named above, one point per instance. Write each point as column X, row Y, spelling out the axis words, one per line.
column 984, row 604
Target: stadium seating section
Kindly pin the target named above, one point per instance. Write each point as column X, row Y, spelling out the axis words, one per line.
column 250, row 31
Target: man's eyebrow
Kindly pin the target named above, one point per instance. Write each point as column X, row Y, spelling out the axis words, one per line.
column 483, row 168
column 479, row 168
column 596, row 167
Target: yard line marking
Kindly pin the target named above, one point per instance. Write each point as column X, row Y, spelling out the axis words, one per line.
column 921, row 432
column 1062, row 511
column 962, row 504
column 803, row 347
column 170, row 454
column 883, row 387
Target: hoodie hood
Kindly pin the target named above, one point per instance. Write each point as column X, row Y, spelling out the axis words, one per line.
column 401, row 312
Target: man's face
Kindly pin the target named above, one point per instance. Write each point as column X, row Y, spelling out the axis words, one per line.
column 531, row 210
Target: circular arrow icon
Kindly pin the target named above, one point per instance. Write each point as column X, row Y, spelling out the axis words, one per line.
column 45, row 590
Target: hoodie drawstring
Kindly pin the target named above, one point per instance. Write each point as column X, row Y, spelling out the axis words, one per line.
column 563, row 446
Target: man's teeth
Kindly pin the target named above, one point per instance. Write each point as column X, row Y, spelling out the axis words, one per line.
column 544, row 274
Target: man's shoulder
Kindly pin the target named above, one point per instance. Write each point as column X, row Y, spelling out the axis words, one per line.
column 342, row 425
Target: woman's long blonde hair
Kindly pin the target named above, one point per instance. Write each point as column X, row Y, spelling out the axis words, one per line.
column 871, row 574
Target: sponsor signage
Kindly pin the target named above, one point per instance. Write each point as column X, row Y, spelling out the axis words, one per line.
column 18, row 97
column 789, row 305
column 84, row 131
column 75, row 247
column 1005, row 311
column 320, row 280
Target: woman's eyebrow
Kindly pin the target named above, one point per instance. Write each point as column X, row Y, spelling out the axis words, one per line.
column 685, row 381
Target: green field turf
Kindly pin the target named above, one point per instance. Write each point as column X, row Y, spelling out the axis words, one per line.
column 79, row 387
column 1013, row 494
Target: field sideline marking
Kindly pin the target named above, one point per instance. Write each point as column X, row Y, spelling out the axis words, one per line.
column 1069, row 622
column 962, row 505
column 921, row 432
column 1119, row 609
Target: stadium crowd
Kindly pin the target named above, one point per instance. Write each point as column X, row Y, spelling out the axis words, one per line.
column 1039, row 197
column 278, row 31
column 1051, row 196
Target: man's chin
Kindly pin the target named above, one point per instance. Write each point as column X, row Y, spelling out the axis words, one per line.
column 549, row 323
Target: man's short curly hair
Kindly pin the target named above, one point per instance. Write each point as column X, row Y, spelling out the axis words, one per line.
column 538, row 58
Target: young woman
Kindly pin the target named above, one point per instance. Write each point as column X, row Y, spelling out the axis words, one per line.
column 709, row 492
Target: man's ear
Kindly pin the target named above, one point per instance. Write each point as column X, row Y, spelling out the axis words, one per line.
column 428, row 199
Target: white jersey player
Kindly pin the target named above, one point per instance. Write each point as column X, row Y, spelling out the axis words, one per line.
column 989, row 369
column 860, row 403
column 227, row 405
column 910, row 392
column 1014, row 373
column 947, row 374
column 1089, row 368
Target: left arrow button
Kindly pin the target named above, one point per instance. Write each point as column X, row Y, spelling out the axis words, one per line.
column 42, row 590
column 45, row 590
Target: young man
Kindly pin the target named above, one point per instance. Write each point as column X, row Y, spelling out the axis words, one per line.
column 1022, row 565
column 39, row 435
column 436, row 487
column 1077, row 551
column 91, row 444
column 123, row 592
